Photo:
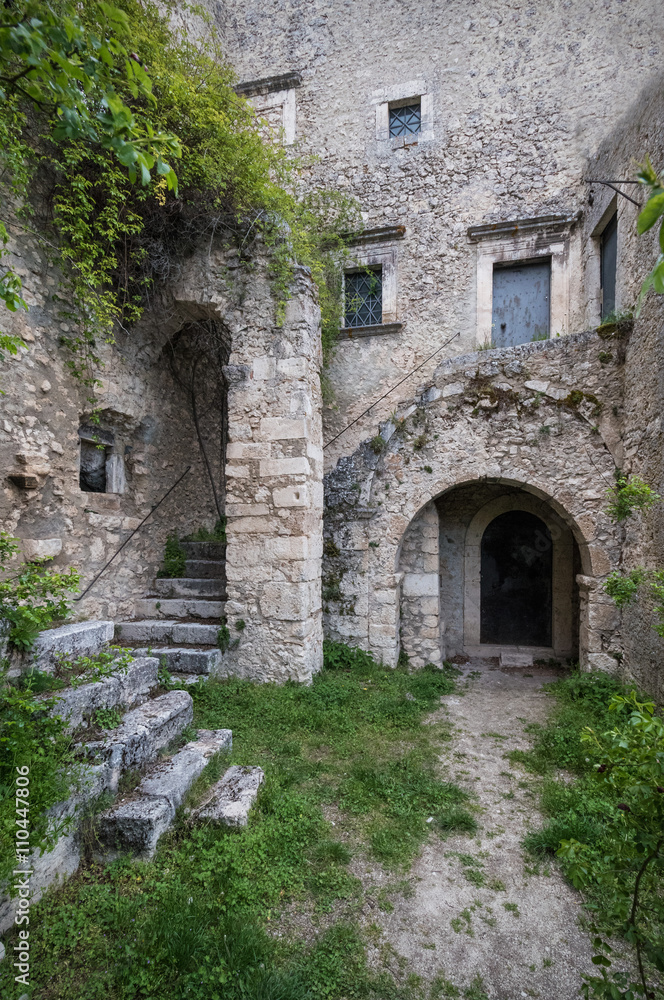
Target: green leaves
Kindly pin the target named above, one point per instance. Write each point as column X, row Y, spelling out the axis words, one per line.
column 653, row 210
column 630, row 495
column 650, row 214
column 77, row 77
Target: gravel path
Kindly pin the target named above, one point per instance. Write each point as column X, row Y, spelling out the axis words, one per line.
column 479, row 908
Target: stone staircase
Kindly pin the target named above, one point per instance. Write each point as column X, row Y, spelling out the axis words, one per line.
column 143, row 763
column 179, row 622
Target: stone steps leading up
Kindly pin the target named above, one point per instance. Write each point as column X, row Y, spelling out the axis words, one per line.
column 205, row 569
column 177, row 608
column 180, row 660
column 137, row 824
column 141, row 735
column 175, row 632
column 126, row 688
column 172, row 587
column 231, row 798
column 205, row 550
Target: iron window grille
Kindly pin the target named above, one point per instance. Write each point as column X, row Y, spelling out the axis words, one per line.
column 363, row 298
column 406, row 120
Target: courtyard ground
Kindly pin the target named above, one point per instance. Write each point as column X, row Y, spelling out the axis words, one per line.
column 483, row 910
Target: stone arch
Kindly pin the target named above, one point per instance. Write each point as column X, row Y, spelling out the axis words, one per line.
column 423, row 620
column 591, row 560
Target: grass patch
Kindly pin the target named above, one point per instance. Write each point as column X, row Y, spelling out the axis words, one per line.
column 197, row 921
column 580, row 806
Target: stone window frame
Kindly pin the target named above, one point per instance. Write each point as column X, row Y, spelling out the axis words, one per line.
column 275, row 93
column 398, row 96
column 376, row 248
column 523, row 241
column 114, row 459
column 562, row 570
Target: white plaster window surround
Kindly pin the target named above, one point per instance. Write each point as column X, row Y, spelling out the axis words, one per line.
column 274, row 100
column 524, row 240
column 409, row 92
column 370, row 254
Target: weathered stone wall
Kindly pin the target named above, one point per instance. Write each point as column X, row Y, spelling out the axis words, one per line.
column 420, row 632
column 274, row 458
column 41, row 412
column 516, row 97
column 537, row 419
column 639, row 134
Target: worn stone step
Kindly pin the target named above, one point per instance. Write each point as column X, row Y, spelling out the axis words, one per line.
column 171, row 587
column 175, row 632
column 126, row 688
column 231, row 798
column 167, row 607
column 77, row 639
column 187, row 661
column 137, row 824
column 205, row 550
column 141, row 735
column 205, row 569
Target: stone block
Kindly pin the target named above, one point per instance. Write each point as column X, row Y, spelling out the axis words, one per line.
column 283, row 428
column 78, row 639
column 536, row 385
column 124, row 688
column 202, row 589
column 142, row 734
column 602, row 661
column 35, row 549
column 454, row 389
column 288, row 601
column 232, row 797
column 174, row 608
column 179, row 659
column 508, row 659
column 420, row 585
column 291, row 496
column 284, row 467
column 248, row 449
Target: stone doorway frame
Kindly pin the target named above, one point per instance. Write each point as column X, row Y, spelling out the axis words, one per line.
column 562, row 582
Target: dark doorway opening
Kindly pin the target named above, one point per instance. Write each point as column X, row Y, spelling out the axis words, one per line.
column 516, row 581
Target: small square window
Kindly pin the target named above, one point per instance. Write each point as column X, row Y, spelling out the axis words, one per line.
column 363, row 298
column 406, row 120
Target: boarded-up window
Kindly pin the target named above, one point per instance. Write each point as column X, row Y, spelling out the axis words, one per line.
column 521, row 303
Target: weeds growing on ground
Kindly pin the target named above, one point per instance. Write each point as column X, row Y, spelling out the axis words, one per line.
column 202, row 921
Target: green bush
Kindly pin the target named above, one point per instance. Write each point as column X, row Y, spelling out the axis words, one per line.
column 174, row 558
column 34, row 598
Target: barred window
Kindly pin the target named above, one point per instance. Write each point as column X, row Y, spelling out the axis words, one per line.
column 363, row 298
column 406, row 120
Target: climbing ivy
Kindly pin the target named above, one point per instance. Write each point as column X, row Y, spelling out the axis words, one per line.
column 93, row 99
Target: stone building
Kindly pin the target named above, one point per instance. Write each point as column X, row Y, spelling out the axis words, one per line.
column 478, row 415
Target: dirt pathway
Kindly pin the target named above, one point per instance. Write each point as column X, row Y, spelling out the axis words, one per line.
column 479, row 908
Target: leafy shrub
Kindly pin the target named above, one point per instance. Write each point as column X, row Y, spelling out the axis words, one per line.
column 77, row 670
column 218, row 533
column 174, row 558
column 34, row 598
column 30, row 736
column 628, row 496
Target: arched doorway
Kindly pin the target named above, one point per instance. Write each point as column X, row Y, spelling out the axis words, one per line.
column 516, row 581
